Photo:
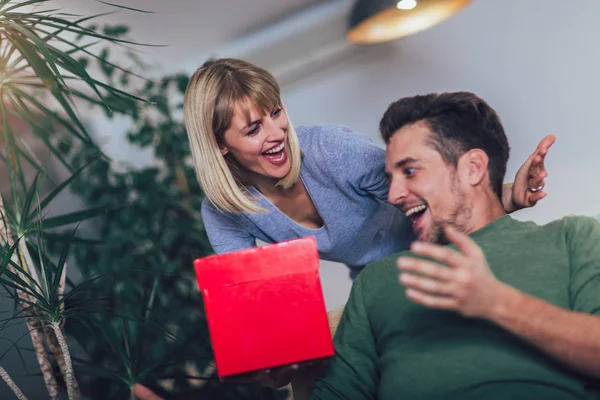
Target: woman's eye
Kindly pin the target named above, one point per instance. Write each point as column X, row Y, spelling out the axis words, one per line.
column 253, row 131
column 275, row 113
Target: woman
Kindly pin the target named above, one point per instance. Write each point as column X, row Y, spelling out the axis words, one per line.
column 265, row 180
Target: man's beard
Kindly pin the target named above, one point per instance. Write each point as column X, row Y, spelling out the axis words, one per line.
column 459, row 218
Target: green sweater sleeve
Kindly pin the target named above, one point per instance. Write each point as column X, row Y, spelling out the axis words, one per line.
column 352, row 374
column 583, row 240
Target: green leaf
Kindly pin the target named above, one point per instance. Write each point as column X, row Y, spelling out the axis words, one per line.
column 58, row 23
column 106, row 67
column 42, row 70
column 60, row 266
column 5, row 11
column 13, row 161
column 33, row 190
column 126, row 8
column 74, row 217
column 60, row 188
column 28, row 286
column 116, row 30
column 39, row 45
column 54, row 115
column 61, row 238
column 70, row 64
column 8, row 213
column 6, row 256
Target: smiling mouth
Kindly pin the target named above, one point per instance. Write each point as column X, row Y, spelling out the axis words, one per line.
column 275, row 150
column 277, row 155
column 415, row 215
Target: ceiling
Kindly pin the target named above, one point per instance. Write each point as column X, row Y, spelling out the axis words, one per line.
column 187, row 28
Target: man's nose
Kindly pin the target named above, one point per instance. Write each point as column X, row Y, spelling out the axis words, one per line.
column 397, row 192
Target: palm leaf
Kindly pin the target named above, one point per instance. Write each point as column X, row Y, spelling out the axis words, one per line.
column 33, row 190
column 6, row 10
column 126, row 8
column 52, row 195
column 75, row 217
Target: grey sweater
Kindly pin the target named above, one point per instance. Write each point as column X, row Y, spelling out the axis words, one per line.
column 344, row 173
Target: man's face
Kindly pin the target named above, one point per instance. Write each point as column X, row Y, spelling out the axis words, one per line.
column 423, row 186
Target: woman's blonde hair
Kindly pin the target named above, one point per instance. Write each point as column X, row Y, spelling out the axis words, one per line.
column 212, row 93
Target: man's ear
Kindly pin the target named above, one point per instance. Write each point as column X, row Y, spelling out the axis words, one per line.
column 473, row 166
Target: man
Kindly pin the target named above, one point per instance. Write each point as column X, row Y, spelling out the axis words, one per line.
column 509, row 311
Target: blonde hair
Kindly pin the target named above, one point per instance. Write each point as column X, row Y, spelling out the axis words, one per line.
column 212, row 93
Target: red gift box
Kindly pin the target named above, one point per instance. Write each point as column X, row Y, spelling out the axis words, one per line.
column 265, row 306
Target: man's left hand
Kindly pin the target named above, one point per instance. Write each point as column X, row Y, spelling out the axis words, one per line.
column 464, row 284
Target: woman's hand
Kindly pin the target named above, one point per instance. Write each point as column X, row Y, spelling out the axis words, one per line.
column 274, row 377
column 528, row 187
column 141, row 392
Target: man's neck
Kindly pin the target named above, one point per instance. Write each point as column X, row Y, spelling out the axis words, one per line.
column 486, row 208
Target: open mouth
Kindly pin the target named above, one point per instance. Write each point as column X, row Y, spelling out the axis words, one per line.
column 276, row 155
column 416, row 214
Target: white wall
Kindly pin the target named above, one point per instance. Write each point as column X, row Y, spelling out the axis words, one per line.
column 536, row 62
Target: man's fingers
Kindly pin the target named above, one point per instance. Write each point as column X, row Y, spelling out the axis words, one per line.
column 426, row 300
column 424, row 267
column 421, row 284
column 464, row 243
column 445, row 255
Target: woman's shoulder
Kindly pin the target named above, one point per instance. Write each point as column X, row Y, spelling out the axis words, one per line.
column 330, row 131
column 336, row 138
column 210, row 211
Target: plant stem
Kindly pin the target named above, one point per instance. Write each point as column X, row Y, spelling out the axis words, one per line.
column 42, row 357
column 11, row 384
column 28, row 264
column 32, row 326
column 70, row 376
column 56, row 350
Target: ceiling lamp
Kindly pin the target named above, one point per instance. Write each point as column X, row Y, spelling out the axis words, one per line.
column 376, row 21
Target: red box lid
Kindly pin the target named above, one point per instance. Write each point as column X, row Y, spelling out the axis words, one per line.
column 265, row 306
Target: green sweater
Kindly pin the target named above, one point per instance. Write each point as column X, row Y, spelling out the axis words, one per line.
column 390, row 348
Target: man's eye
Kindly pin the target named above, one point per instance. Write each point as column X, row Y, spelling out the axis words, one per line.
column 409, row 171
column 276, row 112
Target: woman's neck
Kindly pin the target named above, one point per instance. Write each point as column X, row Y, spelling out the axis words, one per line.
column 269, row 188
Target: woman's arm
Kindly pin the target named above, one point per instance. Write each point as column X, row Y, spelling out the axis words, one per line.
column 527, row 189
column 224, row 232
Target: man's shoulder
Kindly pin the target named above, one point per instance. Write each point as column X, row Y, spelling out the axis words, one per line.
column 571, row 229
column 381, row 268
column 556, row 225
column 579, row 220
column 580, row 226
column 571, row 223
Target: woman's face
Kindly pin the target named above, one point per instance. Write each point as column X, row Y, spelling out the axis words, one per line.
column 259, row 146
